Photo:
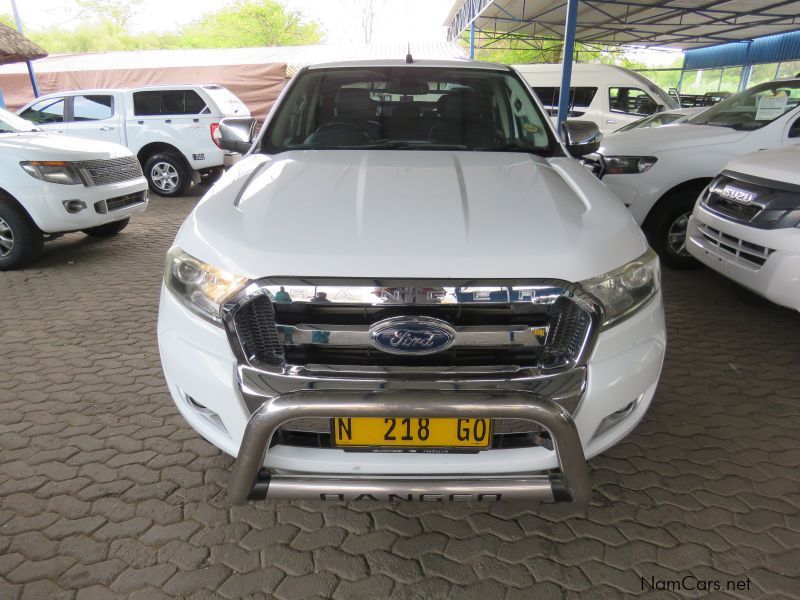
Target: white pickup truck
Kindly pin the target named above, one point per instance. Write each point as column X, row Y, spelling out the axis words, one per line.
column 53, row 184
column 409, row 289
column 171, row 129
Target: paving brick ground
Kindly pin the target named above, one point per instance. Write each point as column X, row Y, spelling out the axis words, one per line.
column 106, row 493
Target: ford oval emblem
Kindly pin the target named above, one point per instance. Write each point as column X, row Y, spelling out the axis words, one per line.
column 411, row 335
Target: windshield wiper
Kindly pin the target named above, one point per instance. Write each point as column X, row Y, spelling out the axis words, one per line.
column 513, row 147
column 417, row 145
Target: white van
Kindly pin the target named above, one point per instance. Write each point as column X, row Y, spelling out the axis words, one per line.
column 608, row 95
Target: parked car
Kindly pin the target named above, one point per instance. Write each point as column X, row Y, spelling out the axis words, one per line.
column 50, row 185
column 669, row 117
column 746, row 224
column 659, row 173
column 411, row 261
column 608, row 95
column 172, row 130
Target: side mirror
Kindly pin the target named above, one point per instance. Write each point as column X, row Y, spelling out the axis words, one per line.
column 581, row 137
column 237, row 133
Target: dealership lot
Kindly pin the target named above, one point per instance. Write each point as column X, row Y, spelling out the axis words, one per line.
column 106, row 492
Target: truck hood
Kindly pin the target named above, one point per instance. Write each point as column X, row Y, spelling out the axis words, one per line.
column 778, row 165
column 412, row 214
column 651, row 141
column 42, row 146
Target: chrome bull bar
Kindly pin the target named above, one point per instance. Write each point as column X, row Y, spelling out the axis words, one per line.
column 250, row 482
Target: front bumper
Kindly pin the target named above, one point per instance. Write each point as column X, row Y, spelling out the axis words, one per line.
column 248, row 481
column 45, row 204
column 213, row 393
column 729, row 249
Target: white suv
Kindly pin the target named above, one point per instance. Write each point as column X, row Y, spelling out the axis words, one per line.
column 660, row 172
column 410, row 290
column 746, row 225
column 50, row 185
column 171, row 129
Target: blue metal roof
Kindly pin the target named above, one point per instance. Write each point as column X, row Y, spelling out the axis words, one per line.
column 768, row 49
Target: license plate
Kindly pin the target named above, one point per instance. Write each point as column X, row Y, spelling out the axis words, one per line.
column 391, row 432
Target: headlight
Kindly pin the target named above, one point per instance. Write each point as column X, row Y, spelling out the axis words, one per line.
column 201, row 287
column 625, row 165
column 625, row 290
column 52, row 171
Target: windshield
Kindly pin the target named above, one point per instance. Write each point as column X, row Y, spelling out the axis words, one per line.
column 753, row 108
column 411, row 107
column 13, row 124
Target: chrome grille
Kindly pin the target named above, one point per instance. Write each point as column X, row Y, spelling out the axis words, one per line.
column 743, row 252
column 108, row 171
column 539, row 326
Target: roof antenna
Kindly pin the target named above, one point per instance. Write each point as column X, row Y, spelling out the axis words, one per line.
column 409, row 58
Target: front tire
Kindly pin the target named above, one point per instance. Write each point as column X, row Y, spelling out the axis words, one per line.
column 20, row 240
column 666, row 229
column 108, row 229
column 168, row 174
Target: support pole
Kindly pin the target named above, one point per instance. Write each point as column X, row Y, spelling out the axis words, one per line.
column 31, row 74
column 472, row 40
column 566, row 60
column 744, row 77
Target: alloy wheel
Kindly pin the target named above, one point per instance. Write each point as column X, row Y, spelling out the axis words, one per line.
column 6, row 238
column 165, row 177
column 676, row 236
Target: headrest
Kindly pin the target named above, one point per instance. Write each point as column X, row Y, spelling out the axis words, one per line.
column 354, row 103
column 465, row 105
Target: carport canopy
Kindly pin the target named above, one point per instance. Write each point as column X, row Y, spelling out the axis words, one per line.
column 680, row 24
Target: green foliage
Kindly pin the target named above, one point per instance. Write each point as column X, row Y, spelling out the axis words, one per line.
column 250, row 23
column 519, row 52
column 113, row 11
column 7, row 19
column 246, row 23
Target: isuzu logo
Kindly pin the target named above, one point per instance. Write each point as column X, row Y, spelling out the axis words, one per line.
column 411, row 335
column 737, row 195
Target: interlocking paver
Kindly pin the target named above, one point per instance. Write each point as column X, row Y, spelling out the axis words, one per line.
column 104, row 490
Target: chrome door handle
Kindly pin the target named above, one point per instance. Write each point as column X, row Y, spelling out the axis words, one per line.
column 106, row 128
column 611, row 120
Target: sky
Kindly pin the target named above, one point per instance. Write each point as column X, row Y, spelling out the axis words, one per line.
column 396, row 21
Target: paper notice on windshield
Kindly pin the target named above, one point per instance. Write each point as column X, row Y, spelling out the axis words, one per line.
column 771, row 107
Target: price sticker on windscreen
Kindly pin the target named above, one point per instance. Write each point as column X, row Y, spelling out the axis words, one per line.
column 771, row 107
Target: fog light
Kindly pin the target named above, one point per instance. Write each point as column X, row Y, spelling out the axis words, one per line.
column 74, row 206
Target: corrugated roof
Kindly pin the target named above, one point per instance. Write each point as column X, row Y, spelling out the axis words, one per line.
column 770, row 49
column 680, row 24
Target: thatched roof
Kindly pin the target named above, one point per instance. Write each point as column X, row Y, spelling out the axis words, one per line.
column 17, row 48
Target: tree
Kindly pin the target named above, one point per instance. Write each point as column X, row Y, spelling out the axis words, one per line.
column 118, row 12
column 7, row 19
column 250, row 23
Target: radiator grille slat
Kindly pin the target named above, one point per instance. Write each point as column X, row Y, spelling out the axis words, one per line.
column 108, row 171
column 265, row 330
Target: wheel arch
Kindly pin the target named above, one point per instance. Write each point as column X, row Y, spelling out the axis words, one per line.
column 152, row 148
column 697, row 183
column 4, row 193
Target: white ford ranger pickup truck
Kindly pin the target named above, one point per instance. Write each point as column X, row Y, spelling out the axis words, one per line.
column 172, row 129
column 54, row 184
column 409, row 290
